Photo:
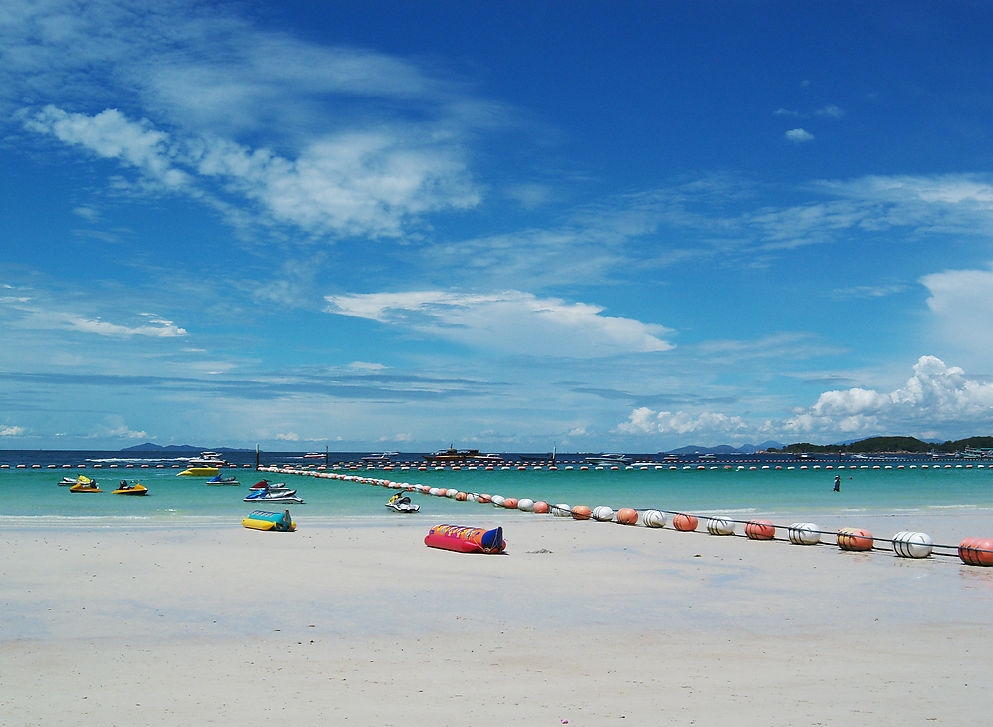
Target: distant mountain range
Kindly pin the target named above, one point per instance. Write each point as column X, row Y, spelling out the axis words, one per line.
column 727, row 449
column 178, row 448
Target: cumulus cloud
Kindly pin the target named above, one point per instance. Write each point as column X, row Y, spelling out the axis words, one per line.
column 936, row 397
column 509, row 321
column 11, row 431
column 798, row 136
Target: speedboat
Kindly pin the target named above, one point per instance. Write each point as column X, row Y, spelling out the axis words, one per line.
column 81, row 480
column 130, row 488
column 198, row 472
column 609, row 460
column 284, row 495
column 208, row 459
column 380, row 457
column 223, row 480
column 315, row 455
column 488, row 458
column 401, row 503
column 90, row 486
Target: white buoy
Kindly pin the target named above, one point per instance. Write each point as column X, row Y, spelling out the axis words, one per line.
column 804, row 534
column 497, row 500
column 908, row 544
column 561, row 510
column 603, row 513
column 720, row 526
column 525, row 505
column 653, row 519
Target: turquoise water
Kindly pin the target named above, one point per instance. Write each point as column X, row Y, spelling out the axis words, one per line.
column 905, row 494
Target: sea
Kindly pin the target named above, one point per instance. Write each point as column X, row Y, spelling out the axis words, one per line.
column 951, row 495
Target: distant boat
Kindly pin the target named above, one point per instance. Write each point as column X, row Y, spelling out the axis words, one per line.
column 208, row 459
column 380, row 457
column 315, row 455
column 452, row 455
column 609, row 459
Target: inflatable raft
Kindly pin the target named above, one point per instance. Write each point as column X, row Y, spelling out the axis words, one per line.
column 263, row 520
column 463, row 539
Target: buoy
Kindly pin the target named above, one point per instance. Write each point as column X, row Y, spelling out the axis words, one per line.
column 541, row 507
column 684, row 522
column 497, row 500
column 483, row 498
column 627, row 516
column 720, row 526
column 804, row 534
column 602, row 513
column 976, row 551
column 580, row 512
column 760, row 530
column 562, row 510
column 653, row 519
column 854, row 539
column 912, row 545
column 462, row 496
column 525, row 505
column 510, row 503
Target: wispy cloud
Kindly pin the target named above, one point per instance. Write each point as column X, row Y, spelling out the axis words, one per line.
column 511, row 322
column 258, row 122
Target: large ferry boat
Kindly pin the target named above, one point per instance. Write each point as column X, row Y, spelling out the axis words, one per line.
column 452, row 455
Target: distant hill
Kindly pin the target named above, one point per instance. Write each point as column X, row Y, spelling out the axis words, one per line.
column 910, row 445
column 728, row 449
column 178, row 448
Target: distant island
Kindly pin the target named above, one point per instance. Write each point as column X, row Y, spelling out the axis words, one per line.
column 889, row 445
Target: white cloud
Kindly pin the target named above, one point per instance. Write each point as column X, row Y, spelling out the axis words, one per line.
column 961, row 303
column 510, row 321
column 11, row 431
column 936, row 397
column 798, row 136
column 155, row 328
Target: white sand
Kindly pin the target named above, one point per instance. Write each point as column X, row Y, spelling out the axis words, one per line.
column 594, row 623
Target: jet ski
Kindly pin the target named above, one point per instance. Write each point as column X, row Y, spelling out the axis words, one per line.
column 275, row 494
column 401, row 503
column 131, row 488
column 80, row 480
column 223, row 480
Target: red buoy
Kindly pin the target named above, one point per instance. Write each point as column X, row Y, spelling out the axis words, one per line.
column 976, row 551
column 581, row 512
column 684, row 522
column 627, row 516
column 510, row 503
column 541, row 507
column 854, row 539
column 760, row 530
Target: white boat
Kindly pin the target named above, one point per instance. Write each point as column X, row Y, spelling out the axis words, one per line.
column 608, row 460
column 489, row 458
column 208, row 459
column 315, row 455
column 380, row 457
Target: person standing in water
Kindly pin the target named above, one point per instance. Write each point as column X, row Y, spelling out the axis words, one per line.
column 837, row 483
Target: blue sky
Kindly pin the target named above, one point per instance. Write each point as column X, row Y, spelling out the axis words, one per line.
column 508, row 225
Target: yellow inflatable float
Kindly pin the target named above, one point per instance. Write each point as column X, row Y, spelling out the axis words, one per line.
column 262, row 520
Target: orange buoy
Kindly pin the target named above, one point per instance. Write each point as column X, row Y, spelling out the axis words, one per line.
column 627, row 516
column 854, row 539
column 976, row 551
column 483, row 498
column 684, row 522
column 580, row 512
column 461, row 496
column 760, row 530
column 510, row 503
column 541, row 507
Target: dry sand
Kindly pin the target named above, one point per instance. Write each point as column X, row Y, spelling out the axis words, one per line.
column 584, row 622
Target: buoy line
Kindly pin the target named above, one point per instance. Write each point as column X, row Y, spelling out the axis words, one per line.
column 904, row 544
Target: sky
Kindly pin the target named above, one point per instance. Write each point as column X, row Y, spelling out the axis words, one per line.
column 595, row 226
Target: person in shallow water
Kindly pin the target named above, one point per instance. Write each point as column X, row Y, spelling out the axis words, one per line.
column 837, row 483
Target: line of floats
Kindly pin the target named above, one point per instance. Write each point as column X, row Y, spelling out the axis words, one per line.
column 905, row 544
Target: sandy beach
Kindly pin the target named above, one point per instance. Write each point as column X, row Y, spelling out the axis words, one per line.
column 582, row 623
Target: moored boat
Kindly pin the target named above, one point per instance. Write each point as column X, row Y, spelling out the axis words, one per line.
column 80, row 480
column 219, row 479
column 608, row 460
column 452, row 455
column 90, row 486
